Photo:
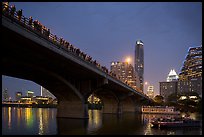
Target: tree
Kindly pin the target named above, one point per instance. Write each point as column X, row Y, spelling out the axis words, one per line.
column 159, row 99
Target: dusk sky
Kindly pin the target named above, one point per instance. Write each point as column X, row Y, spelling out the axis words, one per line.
column 108, row 31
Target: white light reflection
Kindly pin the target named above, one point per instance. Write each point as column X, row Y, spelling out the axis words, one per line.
column 40, row 122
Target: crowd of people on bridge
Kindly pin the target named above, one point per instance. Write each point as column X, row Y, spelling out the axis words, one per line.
column 45, row 32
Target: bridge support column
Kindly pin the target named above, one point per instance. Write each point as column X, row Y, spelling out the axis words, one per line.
column 72, row 109
column 120, row 108
column 128, row 105
column 110, row 106
column 138, row 107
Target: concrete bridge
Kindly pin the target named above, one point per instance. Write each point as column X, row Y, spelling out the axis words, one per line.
column 29, row 55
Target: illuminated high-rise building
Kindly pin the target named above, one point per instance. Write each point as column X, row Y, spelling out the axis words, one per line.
column 150, row 92
column 126, row 73
column 46, row 93
column 192, row 66
column 139, row 61
column 190, row 77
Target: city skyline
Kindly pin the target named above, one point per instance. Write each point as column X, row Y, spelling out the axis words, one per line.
column 108, row 32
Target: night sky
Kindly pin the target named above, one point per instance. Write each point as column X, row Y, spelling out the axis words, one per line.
column 107, row 31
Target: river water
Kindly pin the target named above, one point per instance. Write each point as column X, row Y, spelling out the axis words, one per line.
column 43, row 121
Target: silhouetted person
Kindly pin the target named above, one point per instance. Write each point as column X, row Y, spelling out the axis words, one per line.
column 48, row 33
column 35, row 23
column 30, row 21
column 55, row 39
column 19, row 13
column 13, row 10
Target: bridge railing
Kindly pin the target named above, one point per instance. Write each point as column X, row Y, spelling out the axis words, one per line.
column 39, row 29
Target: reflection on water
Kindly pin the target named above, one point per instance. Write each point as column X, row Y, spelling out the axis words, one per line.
column 94, row 121
column 28, row 117
column 28, row 121
column 9, row 117
column 43, row 121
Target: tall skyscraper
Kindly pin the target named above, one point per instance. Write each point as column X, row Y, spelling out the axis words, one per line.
column 139, row 61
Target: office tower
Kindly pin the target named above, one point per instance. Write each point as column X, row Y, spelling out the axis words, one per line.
column 139, row 61
column 170, row 86
column 125, row 72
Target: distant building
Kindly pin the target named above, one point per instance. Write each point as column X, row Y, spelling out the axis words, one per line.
column 18, row 96
column 46, row 93
column 42, row 100
column 139, row 62
column 172, row 76
column 150, row 92
column 188, row 86
column 126, row 73
column 30, row 93
column 5, row 95
column 26, row 99
column 167, row 88
column 170, row 85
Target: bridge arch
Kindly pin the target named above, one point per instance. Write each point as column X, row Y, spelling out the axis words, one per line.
column 110, row 101
column 71, row 102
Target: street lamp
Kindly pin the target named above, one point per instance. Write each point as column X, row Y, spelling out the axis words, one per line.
column 146, row 85
column 128, row 60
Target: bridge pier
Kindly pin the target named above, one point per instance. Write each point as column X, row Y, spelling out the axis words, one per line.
column 112, row 108
column 138, row 106
column 72, row 109
column 111, row 105
column 128, row 105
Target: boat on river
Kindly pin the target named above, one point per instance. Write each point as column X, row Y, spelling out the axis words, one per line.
column 169, row 110
column 175, row 122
